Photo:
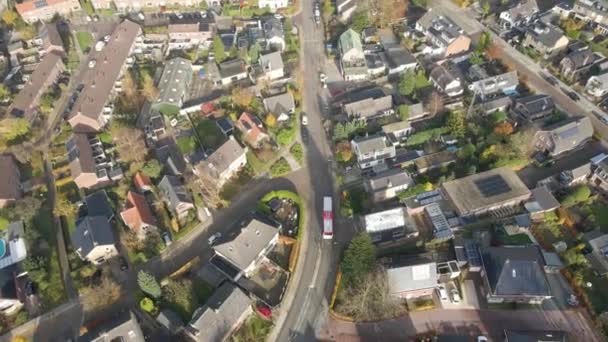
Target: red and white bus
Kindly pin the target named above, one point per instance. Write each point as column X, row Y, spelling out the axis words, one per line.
column 328, row 217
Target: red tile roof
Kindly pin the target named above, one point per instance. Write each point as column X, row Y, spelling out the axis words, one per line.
column 138, row 212
column 251, row 127
column 142, row 182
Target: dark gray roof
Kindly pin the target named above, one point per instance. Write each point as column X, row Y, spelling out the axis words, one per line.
column 168, row 153
column 280, row 104
column 98, row 204
column 273, row 28
column 92, row 231
column 398, row 56
column 515, row 271
column 582, row 58
column 547, row 35
column 123, row 327
column 530, row 105
column 390, row 178
column 544, row 199
column 222, row 158
column 569, row 134
column 174, row 191
column 444, row 74
column 535, row 336
column 223, row 310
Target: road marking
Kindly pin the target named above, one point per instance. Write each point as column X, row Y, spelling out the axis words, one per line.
column 317, row 267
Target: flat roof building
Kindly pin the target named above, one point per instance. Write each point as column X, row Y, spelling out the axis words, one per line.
column 389, row 225
column 486, row 191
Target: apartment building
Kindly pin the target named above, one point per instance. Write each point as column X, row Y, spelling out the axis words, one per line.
column 38, row 10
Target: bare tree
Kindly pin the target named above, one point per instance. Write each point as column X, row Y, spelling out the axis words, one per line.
column 205, row 185
column 434, row 103
column 100, row 296
column 130, row 143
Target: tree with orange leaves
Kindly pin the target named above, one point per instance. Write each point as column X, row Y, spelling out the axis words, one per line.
column 503, row 128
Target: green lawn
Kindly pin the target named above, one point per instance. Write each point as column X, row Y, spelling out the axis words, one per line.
column 209, row 134
column 259, row 166
column 254, row 329
column 85, row 40
column 601, row 215
column 280, row 168
column 168, row 110
column 297, row 152
column 597, row 293
column 187, row 144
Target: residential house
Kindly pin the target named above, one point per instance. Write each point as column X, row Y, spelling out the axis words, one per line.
column 10, row 182
column 274, row 35
column 373, row 151
column 598, row 258
column 501, row 103
column 514, row 274
column 50, row 40
column 227, row 72
column 446, row 38
column 505, row 84
column 399, row 60
column 252, row 129
column 370, row 107
column 397, row 131
column 435, row 160
column 239, row 257
column 434, row 213
column 90, row 165
column 142, row 182
column 563, row 136
column 541, row 202
column 168, row 154
column 577, row 175
column 597, row 86
column 376, row 66
column 273, row 5
column 138, row 216
column 225, row 162
column 15, row 247
column 413, row 281
column 447, row 78
column 591, row 10
column 281, row 105
column 534, row 107
column 174, row 84
column 191, row 30
column 577, row 64
column 521, row 14
column 135, row 5
column 388, row 184
column 390, row 225
column 416, row 111
column 535, row 336
column 13, row 285
column 546, row 39
column 225, row 125
column 98, row 204
column 486, row 192
column 352, row 58
column 170, row 320
column 223, row 312
column 599, row 177
column 32, row 11
column 176, row 196
column 345, row 8
column 91, row 111
column 272, row 66
column 123, row 327
column 25, row 104
column 94, row 240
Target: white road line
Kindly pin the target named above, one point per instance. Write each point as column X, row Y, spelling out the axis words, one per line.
column 317, row 267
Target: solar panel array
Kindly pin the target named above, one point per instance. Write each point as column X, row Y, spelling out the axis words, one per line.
column 472, row 253
column 492, row 186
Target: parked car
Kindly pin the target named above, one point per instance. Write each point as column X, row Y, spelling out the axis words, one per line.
column 552, row 80
column 482, row 339
column 573, row 95
column 455, row 296
column 304, row 120
column 167, row 238
column 213, row 238
column 92, row 63
column 123, row 263
column 443, row 294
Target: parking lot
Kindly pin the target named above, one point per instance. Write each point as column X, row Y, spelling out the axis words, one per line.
column 466, row 291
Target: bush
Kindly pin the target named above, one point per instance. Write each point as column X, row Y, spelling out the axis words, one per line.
column 579, row 194
column 147, row 304
column 297, row 152
column 280, row 167
column 148, row 284
column 286, row 135
column 415, row 190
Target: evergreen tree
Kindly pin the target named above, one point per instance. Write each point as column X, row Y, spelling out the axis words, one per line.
column 218, row 49
column 148, row 284
column 359, row 259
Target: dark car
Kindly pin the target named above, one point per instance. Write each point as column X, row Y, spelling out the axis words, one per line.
column 123, row 263
column 552, row 80
column 573, row 95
